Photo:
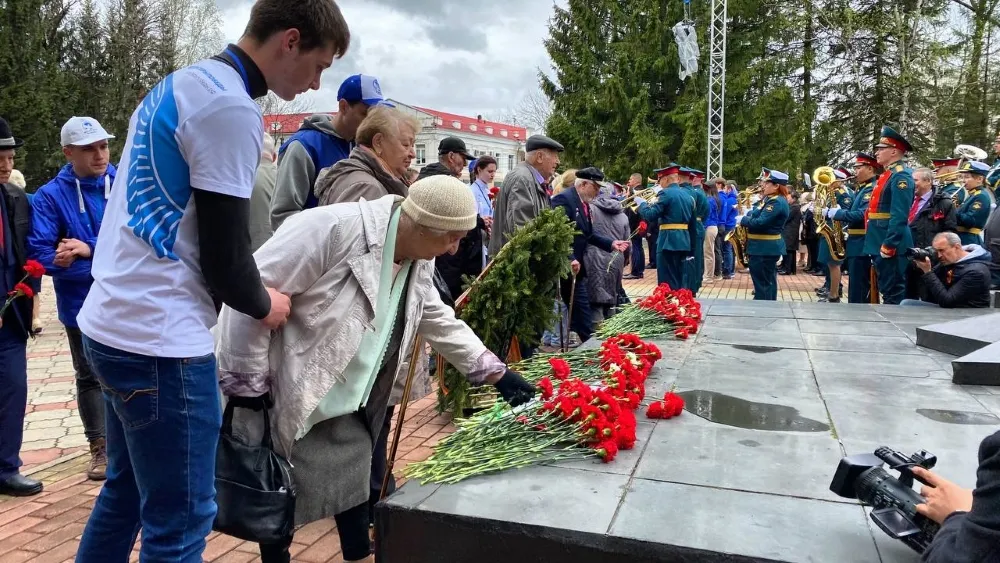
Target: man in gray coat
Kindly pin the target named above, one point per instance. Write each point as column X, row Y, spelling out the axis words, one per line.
column 525, row 191
column 263, row 192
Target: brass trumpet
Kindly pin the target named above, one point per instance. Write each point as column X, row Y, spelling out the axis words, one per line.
column 648, row 194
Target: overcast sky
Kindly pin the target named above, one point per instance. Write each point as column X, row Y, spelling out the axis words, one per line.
column 462, row 56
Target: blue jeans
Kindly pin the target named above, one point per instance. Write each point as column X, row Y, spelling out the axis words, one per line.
column 13, row 398
column 163, row 417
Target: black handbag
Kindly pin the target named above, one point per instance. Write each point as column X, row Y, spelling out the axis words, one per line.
column 253, row 484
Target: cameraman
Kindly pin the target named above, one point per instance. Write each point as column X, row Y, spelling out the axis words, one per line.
column 960, row 280
column 970, row 520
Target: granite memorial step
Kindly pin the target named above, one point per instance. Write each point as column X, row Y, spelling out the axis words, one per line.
column 981, row 367
column 960, row 337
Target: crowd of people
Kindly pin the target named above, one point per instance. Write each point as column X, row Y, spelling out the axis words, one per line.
column 213, row 266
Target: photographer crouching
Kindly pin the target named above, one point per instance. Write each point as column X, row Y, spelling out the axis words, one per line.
column 961, row 279
column 970, row 520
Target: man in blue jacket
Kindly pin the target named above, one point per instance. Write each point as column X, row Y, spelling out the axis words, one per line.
column 67, row 214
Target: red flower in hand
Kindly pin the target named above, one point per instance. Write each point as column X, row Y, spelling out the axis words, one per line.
column 22, row 289
column 34, row 268
column 643, row 227
column 493, row 192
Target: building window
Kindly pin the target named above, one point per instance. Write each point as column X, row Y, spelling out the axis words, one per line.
column 510, row 162
column 456, row 124
column 438, row 121
column 472, row 127
column 489, row 130
column 503, row 132
column 421, row 155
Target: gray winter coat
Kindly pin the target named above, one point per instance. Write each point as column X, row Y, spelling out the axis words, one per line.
column 520, row 200
column 359, row 176
column 609, row 220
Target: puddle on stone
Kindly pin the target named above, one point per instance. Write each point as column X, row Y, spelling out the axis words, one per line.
column 756, row 349
column 749, row 443
column 733, row 411
column 959, row 417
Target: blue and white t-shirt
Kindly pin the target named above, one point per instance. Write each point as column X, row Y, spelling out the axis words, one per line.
column 197, row 128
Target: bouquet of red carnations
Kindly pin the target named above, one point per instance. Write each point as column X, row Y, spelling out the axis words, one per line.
column 664, row 312
column 32, row 269
column 575, row 419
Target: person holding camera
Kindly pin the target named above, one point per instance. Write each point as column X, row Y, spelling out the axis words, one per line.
column 933, row 212
column 960, row 280
column 970, row 520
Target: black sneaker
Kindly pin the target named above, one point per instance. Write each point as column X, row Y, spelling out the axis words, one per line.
column 18, row 485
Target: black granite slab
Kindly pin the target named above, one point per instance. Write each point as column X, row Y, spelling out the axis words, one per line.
column 777, row 393
column 981, row 367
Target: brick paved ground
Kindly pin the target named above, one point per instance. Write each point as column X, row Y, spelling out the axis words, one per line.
column 47, row 527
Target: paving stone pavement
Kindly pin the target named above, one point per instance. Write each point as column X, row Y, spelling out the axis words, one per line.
column 47, row 527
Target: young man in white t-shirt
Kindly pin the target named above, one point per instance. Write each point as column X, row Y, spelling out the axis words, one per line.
column 174, row 245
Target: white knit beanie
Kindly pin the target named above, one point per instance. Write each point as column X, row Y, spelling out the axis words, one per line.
column 441, row 202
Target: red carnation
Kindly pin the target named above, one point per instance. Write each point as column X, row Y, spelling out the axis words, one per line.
column 673, row 404
column 938, row 215
column 34, row 268
column 22, row 289
column 625, row 437
column 560, row 368
column 643, row 227
column 655, row 410
column 681, row 333
column 607, row 450
column 545, row 384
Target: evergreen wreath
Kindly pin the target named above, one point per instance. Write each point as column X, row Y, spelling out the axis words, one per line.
column 514, row 297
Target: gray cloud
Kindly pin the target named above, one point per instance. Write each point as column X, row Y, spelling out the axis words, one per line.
column 462, row 56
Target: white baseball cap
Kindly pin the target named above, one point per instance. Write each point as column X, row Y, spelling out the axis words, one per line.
column 83, row 131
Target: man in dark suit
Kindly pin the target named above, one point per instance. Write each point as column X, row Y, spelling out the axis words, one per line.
column 574, row 201
column 15, row 326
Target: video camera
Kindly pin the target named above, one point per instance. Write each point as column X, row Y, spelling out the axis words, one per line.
column 894, row 501
column 920, row 254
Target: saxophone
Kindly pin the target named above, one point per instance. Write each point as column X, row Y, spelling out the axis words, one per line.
column 738, row 236
column 834, row 236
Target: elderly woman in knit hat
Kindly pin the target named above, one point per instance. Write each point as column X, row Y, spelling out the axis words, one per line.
column 360, row 279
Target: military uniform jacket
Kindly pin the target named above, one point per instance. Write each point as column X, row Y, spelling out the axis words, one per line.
column 853, row 215
column 765, row 224
column 700, row 207
column 674, row 211
column 889, row 211
column 993, row 178
column 956, row 191
column 973, row 213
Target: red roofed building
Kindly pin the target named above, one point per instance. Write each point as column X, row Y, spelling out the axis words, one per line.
column 503, row 141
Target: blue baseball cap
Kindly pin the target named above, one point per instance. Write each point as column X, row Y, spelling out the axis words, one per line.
column 361, row 88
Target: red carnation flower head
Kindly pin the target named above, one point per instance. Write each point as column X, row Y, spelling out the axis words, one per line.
column 673, row 404
column 655, row 410
column 643, row 227
column 938, row 215
column 625, row 437
column 607, row 450
column 545, row 384
column 627, row 419
column 560, row 368
column 681, row 333
column 34, row 268
column 23, row 289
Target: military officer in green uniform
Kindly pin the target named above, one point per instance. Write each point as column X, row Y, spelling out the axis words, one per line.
column 674, row 211
column 888, row 232
column 974, row 212
column 852, row 215
column 765, row 224
column 952, row 186
column 993, row 178
column 695, row 268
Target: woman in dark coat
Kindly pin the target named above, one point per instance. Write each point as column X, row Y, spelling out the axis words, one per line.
column 791, row 235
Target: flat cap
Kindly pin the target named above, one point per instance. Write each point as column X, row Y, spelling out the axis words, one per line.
column 591, row 173
column 536, row 142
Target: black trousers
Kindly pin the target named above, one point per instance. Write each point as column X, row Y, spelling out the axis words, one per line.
column 89, row 398
column 812, row 249
column 352, row 527
column 788, row 263
column 582, row 322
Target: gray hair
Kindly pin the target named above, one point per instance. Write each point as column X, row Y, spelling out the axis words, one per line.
column 17, row 178
column 267, row 150
column 923, row 174
column 950, row 237
column 581, row 181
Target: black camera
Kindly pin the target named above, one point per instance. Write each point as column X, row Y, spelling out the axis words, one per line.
column 920, row 254
column 893, row 499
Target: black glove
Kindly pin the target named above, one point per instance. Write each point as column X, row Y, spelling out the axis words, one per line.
column 514, row 389
column 253, row 403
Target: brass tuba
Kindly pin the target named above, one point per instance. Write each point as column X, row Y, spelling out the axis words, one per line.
column 824, row 177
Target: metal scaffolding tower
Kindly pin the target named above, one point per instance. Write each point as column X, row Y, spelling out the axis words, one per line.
column 716, row 87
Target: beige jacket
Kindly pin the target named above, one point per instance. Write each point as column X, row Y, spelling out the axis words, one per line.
column 328, row 259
